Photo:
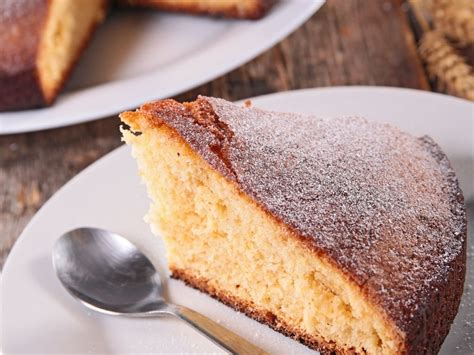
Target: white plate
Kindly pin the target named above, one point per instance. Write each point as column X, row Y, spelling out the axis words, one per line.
column 137, row 56
column 39, row 316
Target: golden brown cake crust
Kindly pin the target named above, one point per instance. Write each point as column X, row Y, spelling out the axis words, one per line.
column 255, row 9
column 384, row 207
column 259, row 315
column 21, row 26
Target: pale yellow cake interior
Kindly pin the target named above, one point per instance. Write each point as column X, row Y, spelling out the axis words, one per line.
column 214, row 233
column 68, row 26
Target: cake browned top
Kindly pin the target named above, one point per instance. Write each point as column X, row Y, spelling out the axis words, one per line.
column 381, row 204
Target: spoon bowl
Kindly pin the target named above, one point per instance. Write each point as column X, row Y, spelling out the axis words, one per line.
column 108, row 274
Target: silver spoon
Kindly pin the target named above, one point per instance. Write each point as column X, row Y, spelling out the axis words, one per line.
column 109, row 274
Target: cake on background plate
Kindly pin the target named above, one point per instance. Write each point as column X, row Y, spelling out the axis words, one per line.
column 41, row 40
column 345, row 234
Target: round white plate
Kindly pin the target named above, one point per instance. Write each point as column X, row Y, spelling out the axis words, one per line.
column 137, row 56
column 39, row 316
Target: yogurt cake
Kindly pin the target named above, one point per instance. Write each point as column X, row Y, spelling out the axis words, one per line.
column 345, row 234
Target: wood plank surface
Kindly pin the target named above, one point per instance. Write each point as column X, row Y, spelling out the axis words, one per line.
column 348, row 42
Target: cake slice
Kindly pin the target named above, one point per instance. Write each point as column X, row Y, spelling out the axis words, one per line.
column 41, row 40
column 345, row 234
column 245, row 9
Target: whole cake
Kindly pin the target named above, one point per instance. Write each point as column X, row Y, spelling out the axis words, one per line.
column 345, row 234
column 40, row 41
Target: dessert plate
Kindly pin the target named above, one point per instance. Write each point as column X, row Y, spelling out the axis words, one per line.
column 40, row 317
column 137, row 56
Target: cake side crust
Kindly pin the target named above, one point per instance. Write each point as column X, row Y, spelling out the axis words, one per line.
column 252, row 10
column 260, row 315
column 21, row 91
column 442, row 306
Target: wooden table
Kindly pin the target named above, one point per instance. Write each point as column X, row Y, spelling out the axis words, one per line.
column 348, row 42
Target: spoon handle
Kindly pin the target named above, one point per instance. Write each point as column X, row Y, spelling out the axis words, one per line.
column 217, row 333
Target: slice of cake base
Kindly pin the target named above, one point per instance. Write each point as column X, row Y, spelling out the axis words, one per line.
column 221, row 242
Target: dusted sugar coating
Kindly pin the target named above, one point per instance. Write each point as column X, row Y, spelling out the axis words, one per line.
column 382, row 205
